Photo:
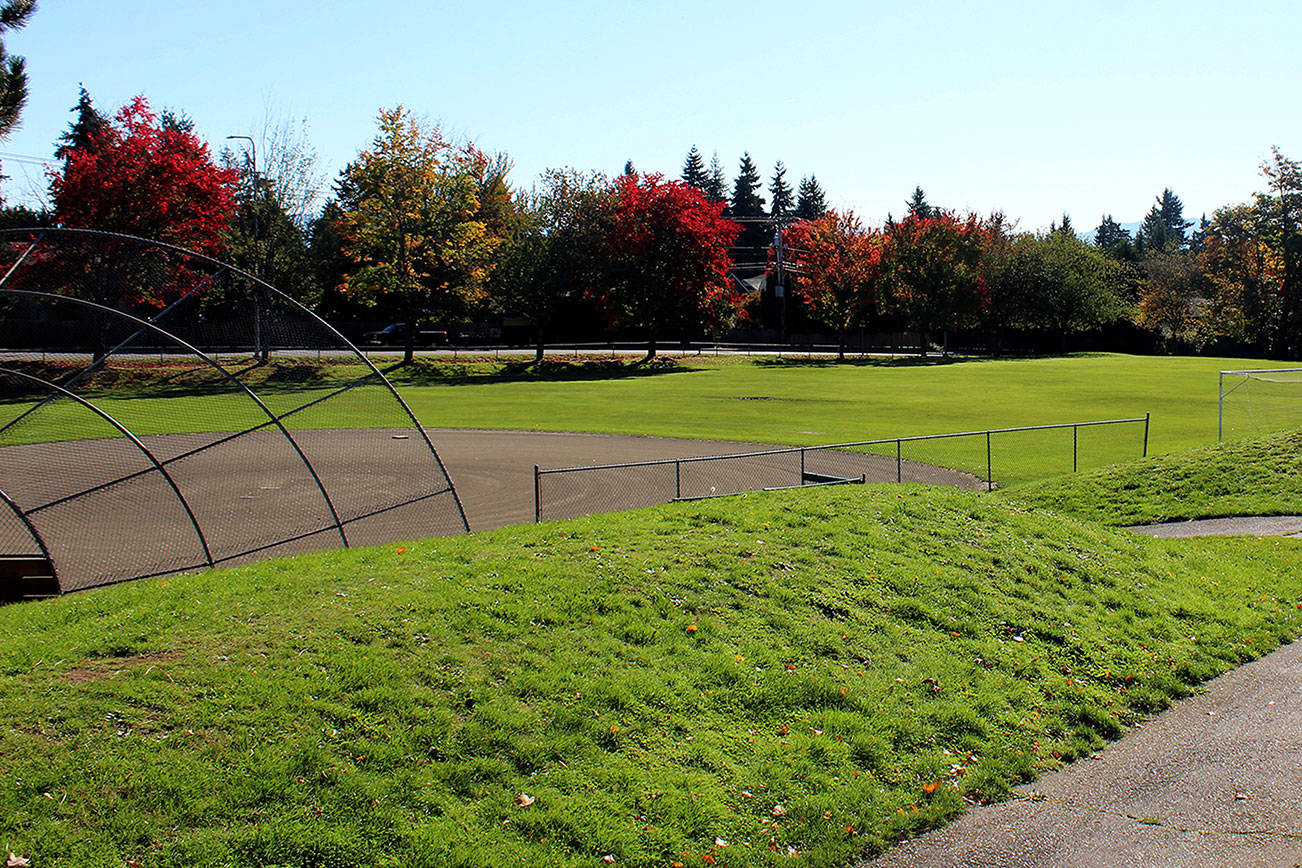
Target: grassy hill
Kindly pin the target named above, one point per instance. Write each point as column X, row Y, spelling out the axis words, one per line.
column 730, row 682
column 1245, row 477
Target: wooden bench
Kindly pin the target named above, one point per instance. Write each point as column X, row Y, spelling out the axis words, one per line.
column 26, row 577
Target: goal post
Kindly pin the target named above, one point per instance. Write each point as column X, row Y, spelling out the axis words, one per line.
column 1258, row 401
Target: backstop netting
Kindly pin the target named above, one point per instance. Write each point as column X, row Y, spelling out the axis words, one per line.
column 1257, row 402
column 161, row 411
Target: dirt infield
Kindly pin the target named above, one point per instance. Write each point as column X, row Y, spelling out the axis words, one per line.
column 251, row 494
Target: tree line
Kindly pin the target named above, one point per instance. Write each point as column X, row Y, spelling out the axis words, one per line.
column 421, row 228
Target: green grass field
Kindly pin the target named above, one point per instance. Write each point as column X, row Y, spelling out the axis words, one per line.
column 733, row 682
column 784, row 401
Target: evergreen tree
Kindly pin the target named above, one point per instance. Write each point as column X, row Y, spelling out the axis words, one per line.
column 1065, row 228
column 918, row 206
column 89, row 124
column 716, row 185
column 694, row 170
column 177, row 121
column 745, row 202
column 629, row 168
column 1110, row 234
column 810, row 201
column 13, row 69
column 1165, row 228
column 783, row 199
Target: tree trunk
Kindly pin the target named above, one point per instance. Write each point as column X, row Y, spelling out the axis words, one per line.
column 409, row 343
column 922, row 344
column 539, row 349
column 840, row 345
column 650, row 347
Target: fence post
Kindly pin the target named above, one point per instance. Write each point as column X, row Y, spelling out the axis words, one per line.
column 899, row 463
column 1073, row 448
column 537, row 495
column 802, row 465
column 990, row 476
column 678, row 479
column 1146, row 418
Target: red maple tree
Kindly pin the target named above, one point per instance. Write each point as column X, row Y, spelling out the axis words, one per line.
column 838, row 268
column 145, row 178
column 664, row 249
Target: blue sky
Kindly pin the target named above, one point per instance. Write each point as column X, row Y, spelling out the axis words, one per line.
column 1034, row 108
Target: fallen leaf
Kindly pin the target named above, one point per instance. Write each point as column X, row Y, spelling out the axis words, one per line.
column 779, row 811
column 930, row 788
column 719, row 842
column 608, row 858
column 401, row 549
column 524, row 800
column 16, row 861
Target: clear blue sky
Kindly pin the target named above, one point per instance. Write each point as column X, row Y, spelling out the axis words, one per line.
column 1034, row 108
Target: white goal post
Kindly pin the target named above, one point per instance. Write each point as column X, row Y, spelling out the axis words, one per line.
column 1257, row 401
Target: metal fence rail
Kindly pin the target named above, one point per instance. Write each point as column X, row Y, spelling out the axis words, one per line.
column 966, row 459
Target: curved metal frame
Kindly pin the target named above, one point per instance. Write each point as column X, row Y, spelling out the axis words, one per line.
column 38, row 236
column 31, row 528
column 158, row 465
column 43, row 232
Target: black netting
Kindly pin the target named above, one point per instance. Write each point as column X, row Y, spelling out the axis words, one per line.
column 160, row 411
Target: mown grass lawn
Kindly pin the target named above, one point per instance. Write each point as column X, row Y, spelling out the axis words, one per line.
column 1261, row 476
column 732, row 682
column 800, row 402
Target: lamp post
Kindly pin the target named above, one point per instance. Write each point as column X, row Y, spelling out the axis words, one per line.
column 263, row 352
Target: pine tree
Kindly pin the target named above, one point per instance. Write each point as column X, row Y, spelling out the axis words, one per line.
column 82, row 131
column 745, row 202
column 1065, row 228
column 13, row 69
column 918, row 206
column 629, row 168
column 716, row 185
column 694, row 170
column 783, row 200
column 810, row 202
column 1165, row 228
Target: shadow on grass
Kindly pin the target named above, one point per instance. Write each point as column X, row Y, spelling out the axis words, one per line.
column 422, row 373
column 851, row 362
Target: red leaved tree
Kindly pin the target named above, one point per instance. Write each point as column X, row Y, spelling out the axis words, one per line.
column 145, row 178
column 142, row 177
column 838, row 268
column 664, row 255
column 933, row 266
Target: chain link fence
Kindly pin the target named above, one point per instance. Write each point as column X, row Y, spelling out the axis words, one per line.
column 192, row 417
column 976, row 460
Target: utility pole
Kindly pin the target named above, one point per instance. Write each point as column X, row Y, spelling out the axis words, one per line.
column 262, row 351
column 780, row 290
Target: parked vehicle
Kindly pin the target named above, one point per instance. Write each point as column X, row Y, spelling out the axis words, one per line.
column 395, row 335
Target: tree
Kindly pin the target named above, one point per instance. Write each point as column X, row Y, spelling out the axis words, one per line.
column 1171, row 302
column 933, row 267
column 746, row 203
column 716, row 185
column 13, row 69
column 550, row 261
column 137, row 177
column 918, row 206
column 82, row 131
column 810, row 202
column 664, row 254
column 694, row 174
column 838, row 268
column 412, row 223
column 1113, row 239
column 1165, row 229
column 783, row 200
column 1074, row 286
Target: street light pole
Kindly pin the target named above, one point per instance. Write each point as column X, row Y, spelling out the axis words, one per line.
column 263, row 352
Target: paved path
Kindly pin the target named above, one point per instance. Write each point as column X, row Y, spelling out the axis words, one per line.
column 1248, row 525
column 1213, row 781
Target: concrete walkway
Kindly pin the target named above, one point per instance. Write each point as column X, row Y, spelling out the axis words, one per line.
column 1248, row 525
column 1215, row 780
